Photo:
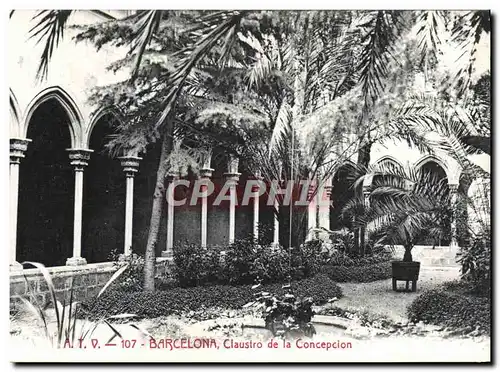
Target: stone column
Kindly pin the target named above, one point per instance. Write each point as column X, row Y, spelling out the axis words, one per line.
column 232, row 177
column 18, row 147
column 256, row 201
column 276, row 234
column 366, row 198
column 323, row 197
column 130, row 166
column 205, row 173
column 79, row 160
column 453, row 202
column 312, row 211
column 169, row 249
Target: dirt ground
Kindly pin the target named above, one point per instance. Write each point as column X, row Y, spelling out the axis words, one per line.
column 379, row 298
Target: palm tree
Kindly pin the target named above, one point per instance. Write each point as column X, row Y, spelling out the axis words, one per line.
column 404, row 204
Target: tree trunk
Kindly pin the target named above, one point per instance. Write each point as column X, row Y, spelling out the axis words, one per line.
column 407, row 256
column 364, row 161
column 157, row 208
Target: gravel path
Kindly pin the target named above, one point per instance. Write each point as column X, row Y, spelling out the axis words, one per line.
column 379, row 298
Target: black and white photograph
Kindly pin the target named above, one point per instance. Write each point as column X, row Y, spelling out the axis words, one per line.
column 249, row 186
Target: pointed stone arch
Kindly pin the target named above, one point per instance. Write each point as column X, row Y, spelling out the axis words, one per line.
column 75, row 116
column 432, row 158
column 15, row 115
column 97, row 115
column 388, row 158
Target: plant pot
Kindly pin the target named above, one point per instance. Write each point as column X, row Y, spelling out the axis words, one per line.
column 407, row 271
column 402, row 270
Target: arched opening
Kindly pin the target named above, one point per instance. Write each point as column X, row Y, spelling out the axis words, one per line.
column 437, row 172
column 103, row 220
column 46, row 189
column 218, row 215
column 342, row 192
column 144, row 187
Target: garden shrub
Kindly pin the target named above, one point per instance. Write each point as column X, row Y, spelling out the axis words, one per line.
column 196, row 265
column 342, row 240
column 307, row 259
column 180, row 300
column 359, row 274
column 271, row 265
column 450, row 309
column 475, row 259
column 244, row 262
column 132, row 279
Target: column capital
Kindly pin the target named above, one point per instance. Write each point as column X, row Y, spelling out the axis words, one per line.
column 232, row 178
column 328, row 190
column 18, row 147
column 79, row 158
column 206, row 172
column 259, row 178
column 172, row 176
column 130, row 164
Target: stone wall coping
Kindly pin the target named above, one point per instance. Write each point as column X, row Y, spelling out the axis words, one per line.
column 83, row 269
column 100, row 267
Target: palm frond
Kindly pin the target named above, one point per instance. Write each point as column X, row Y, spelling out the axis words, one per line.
column 50, row 27
column 148, row 23
column 382, row 29
column 467, row 31
column 430, row 26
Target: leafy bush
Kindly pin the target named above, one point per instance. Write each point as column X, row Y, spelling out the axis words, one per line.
column 196, row 265
column 286, row 315
column 475, row 259
column 132, row 279
column 179, row 300
column 307, row 259
column 270, row 265
column 343, row 240
column 342, row 259
column 449, row 309
column 359, row 274
column 244, row 262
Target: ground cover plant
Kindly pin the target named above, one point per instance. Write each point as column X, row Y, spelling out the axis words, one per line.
column 181, row 300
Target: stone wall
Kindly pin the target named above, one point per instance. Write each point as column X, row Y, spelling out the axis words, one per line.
column 429, row 257
column 87, row 281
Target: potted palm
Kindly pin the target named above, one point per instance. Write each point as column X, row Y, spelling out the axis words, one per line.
column 404, row 205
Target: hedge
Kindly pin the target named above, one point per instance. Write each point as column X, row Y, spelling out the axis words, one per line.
column 180, row 300
column 451, row 309
column 359, row 274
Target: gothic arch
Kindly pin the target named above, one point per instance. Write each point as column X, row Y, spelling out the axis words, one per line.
column 15, row 115
column 432, row 158
column 69, row 105
column 388, row 158
column 113, row 111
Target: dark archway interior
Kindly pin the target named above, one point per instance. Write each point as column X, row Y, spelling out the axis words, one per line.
column 144, row 187
column 342, row 192
column 437, row 171
column 46, row 189
column 103, row 225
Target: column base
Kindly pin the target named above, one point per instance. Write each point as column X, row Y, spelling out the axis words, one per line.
column 76, row 261
column 123, row 257
column 167, row 254
column 15, row 266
